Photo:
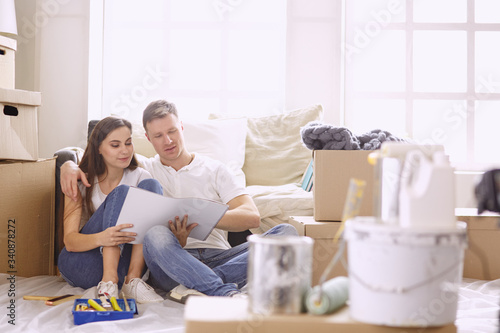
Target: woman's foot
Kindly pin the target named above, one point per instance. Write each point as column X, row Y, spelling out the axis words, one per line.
column 107, row 287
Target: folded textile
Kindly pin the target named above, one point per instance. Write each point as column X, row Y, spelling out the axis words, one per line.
column 320, row 136
column 373, row 139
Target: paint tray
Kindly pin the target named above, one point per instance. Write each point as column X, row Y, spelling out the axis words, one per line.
column 82, row 317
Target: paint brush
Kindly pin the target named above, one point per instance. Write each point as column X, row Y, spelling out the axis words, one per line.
column 61, row 299
column 127, row 307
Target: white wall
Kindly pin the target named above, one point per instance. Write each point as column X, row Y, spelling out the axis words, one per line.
column 52, row 58
column 25, row 54
column 313, row 68
column 465, row 184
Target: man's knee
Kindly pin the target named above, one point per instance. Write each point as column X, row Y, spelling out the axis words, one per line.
column 159, row 236
column 284, row 229
column 158, row 242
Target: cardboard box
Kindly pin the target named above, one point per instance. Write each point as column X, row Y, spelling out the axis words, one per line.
column 19, row 124
column 324, row 248
column 7, row 62
column 27, row 217
column 483, row 232
column 226, row 314
column 333, row 170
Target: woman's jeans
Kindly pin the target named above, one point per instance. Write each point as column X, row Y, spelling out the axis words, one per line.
column 214, row 272
column 84, row 269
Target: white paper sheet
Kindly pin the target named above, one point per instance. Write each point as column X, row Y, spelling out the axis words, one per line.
column 146, row 209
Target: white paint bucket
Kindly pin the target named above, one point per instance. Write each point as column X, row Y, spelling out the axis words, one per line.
column 404, row 277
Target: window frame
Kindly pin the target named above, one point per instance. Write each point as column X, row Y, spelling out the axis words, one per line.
column 475, row 90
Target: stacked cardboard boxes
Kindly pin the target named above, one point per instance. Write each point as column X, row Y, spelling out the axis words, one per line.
column 19, row 124
column 483, row 234
column 7, row 62
column 324, row 248
column 27, row 182
column 332, row 171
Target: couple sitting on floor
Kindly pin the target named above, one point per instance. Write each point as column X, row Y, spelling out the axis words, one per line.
column 96, row 249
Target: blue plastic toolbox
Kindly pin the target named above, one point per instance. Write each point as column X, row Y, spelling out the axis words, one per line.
column 82, row 317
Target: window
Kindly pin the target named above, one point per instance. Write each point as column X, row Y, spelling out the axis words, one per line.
column 427, row 69
column 225, row 57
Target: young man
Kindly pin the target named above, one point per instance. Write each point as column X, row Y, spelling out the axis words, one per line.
column 209, row 267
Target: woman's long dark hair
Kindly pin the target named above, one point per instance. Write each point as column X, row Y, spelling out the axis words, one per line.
column 92, row 161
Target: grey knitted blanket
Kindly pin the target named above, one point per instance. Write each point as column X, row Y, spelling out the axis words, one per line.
column 320, row 136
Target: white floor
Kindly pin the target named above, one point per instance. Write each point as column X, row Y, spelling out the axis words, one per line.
column 478, row 309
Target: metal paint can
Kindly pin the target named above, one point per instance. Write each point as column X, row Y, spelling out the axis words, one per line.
column 279, row 273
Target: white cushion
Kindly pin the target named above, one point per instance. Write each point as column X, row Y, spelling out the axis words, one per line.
column 222, row 140
column 274, row 152
column 141, row 143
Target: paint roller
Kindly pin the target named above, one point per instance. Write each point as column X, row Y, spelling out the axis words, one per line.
column 330, row 295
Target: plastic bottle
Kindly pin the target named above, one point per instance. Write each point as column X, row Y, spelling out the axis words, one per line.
column 427, row 193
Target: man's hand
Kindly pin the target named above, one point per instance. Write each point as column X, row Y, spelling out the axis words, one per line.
column 181, row 230
column 242, row 215
column 70, row 174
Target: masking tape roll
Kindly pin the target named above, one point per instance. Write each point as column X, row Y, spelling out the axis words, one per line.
column 334, row 294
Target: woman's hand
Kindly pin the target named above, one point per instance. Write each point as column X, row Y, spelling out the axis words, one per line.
column 113, row 236
column 180, row 229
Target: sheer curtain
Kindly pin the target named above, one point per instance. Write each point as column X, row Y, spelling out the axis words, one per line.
column 427, row 69
column 225, row 57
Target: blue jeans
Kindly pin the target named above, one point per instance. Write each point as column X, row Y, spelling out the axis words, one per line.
column 214, row 272
column 84, row 269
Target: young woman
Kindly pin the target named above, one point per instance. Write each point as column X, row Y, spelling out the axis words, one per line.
column 96, row 250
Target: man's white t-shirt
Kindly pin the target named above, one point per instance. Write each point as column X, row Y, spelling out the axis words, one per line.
column 130, row 177
column 203, row 178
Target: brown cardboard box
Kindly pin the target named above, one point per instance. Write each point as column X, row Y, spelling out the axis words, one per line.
column 483, row 232
column 226, row 314
column 27, row 217
column 19, row 124
column 333, row 170
column 7, row 62
column 324, row 248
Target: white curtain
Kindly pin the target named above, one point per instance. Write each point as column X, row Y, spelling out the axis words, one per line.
column 224, row 57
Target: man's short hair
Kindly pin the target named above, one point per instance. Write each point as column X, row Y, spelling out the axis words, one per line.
column 157, row 109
